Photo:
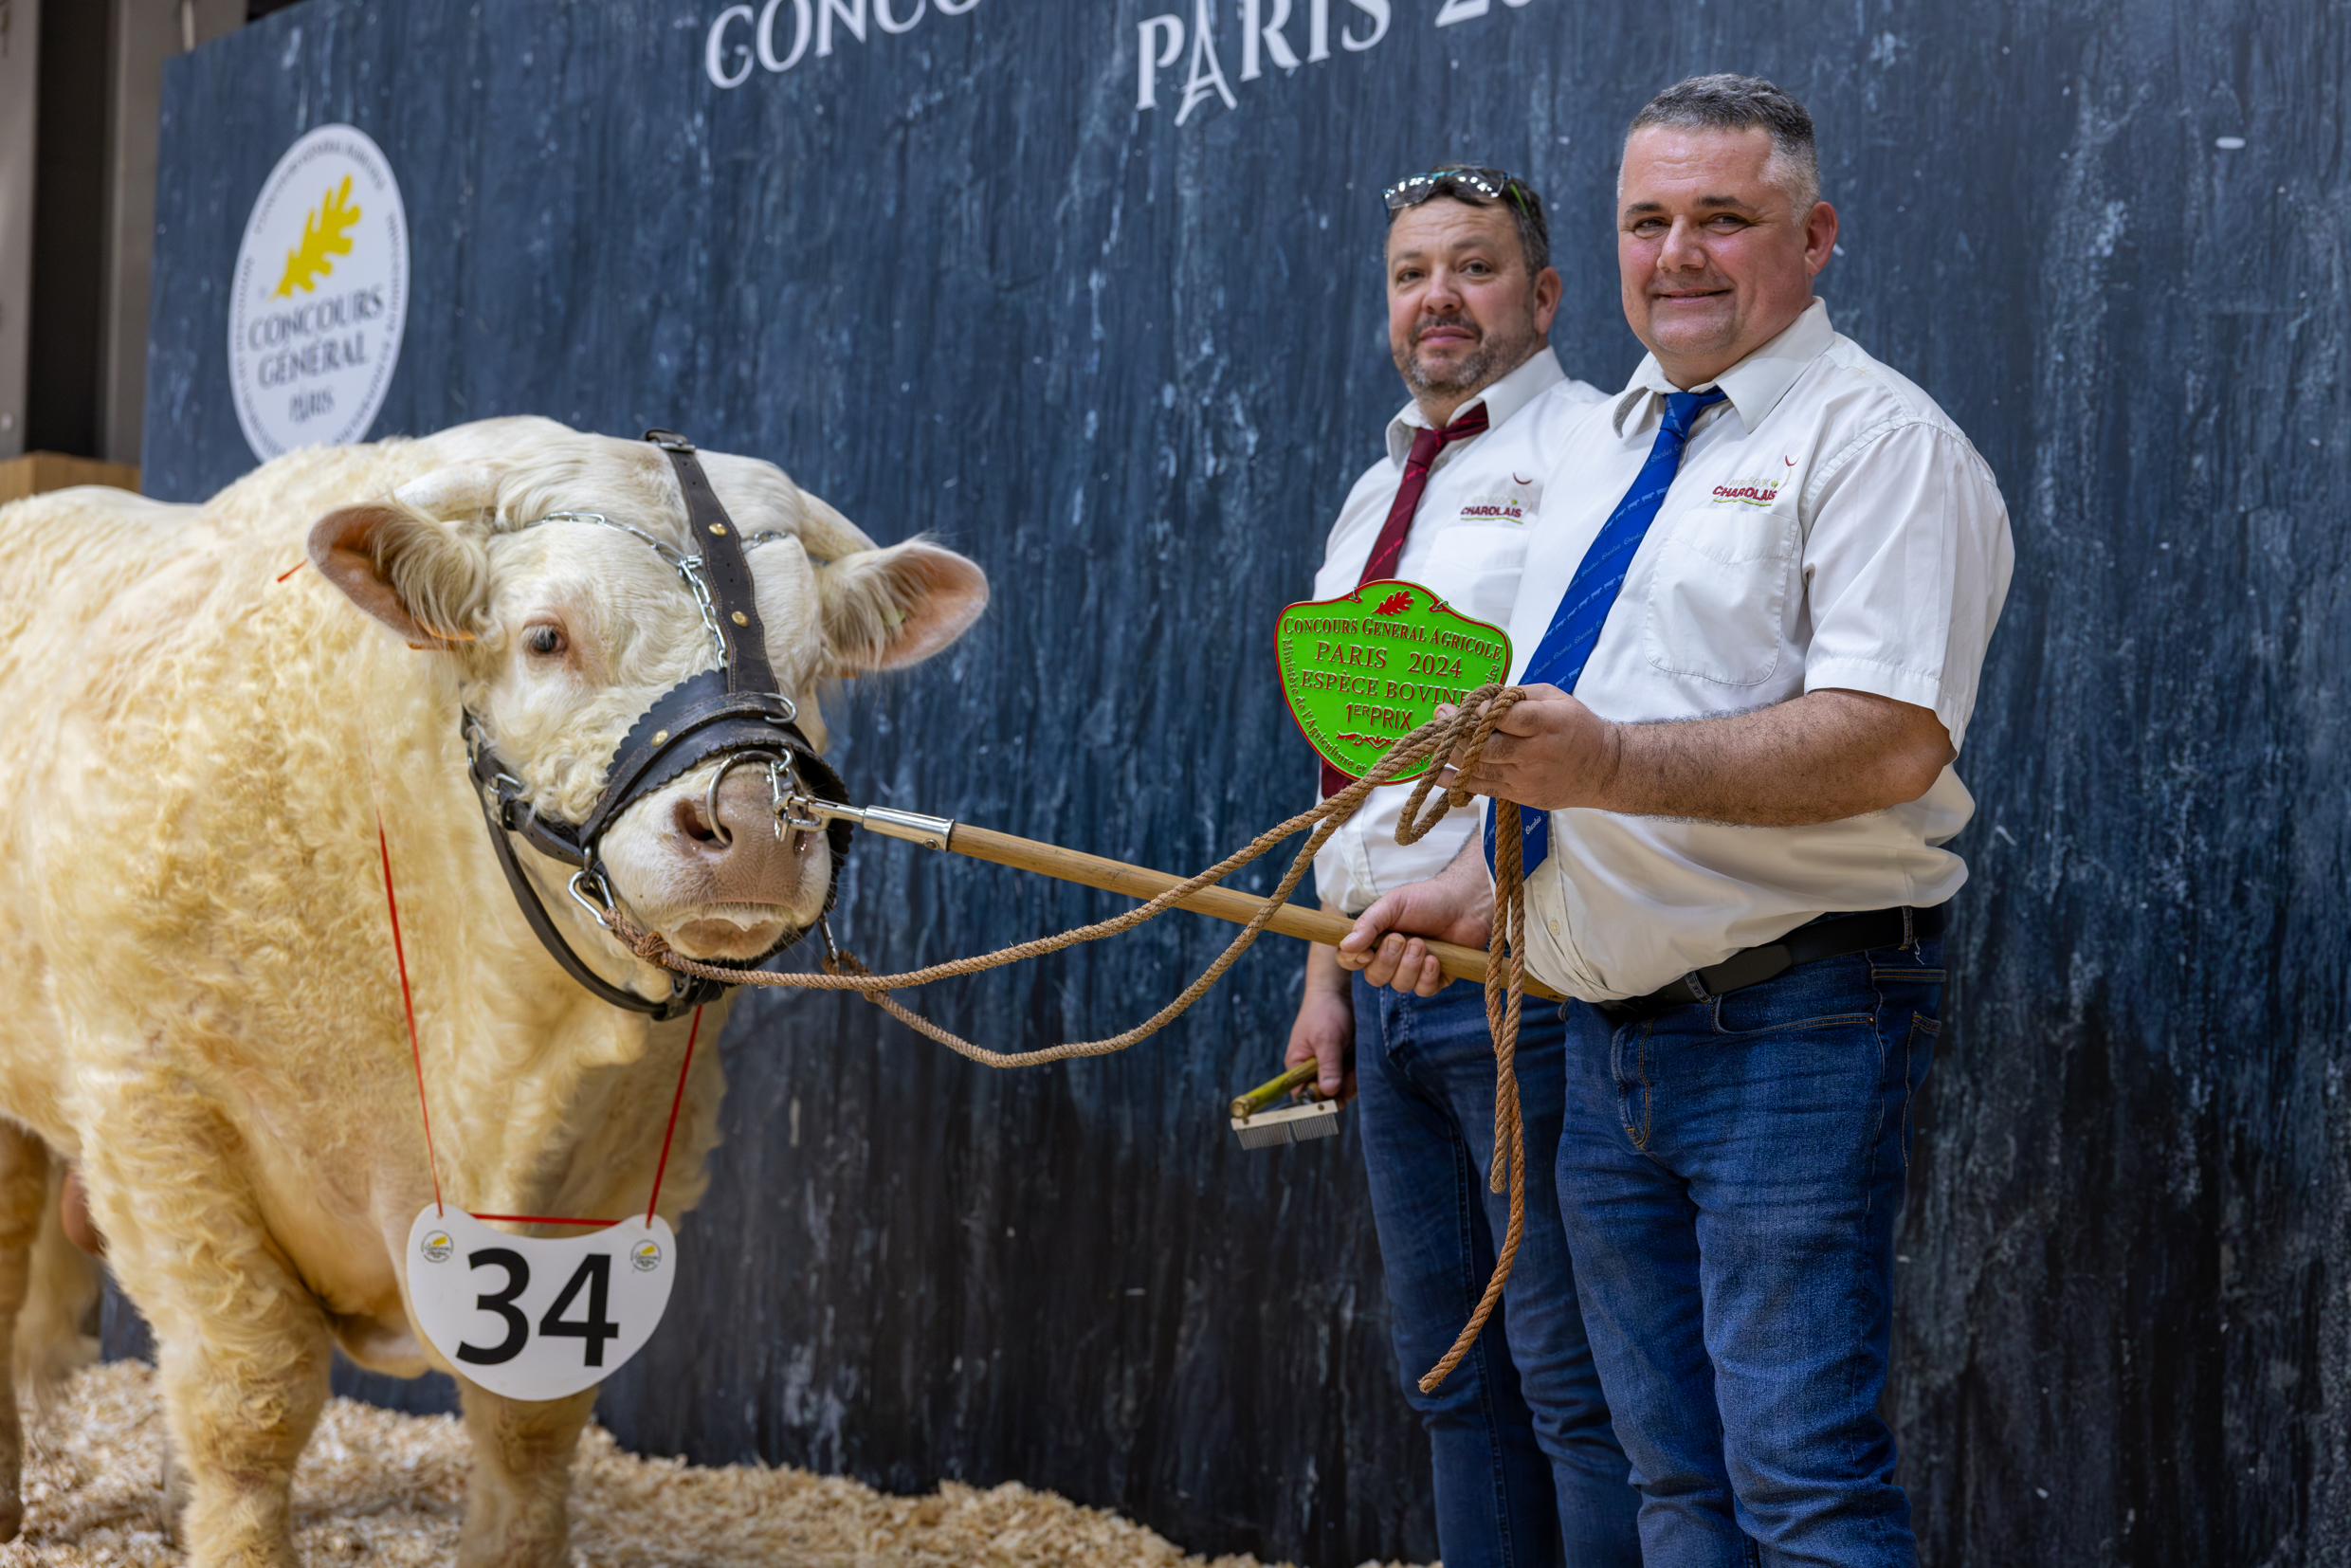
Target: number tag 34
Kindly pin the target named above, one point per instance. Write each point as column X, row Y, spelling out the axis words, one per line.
column 538, row 1316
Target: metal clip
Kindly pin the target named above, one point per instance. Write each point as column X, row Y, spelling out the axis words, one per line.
column 782, row 801
column 798, row 811
column 932, row 832
column 602, row 910
column 833, row 949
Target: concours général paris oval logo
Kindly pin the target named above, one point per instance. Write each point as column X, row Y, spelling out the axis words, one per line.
column 320, row 295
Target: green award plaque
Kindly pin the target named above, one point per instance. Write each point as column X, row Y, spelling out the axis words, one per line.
column 1366, row 669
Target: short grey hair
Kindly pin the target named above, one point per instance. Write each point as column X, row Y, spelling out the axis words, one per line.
column 1727, row 102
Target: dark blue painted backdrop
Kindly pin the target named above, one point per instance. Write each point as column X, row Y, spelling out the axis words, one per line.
column 954, row 280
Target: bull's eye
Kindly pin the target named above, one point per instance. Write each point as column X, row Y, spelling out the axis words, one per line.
column 545, row 641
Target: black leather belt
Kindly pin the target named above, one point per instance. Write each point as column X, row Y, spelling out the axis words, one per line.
column 1829, row 937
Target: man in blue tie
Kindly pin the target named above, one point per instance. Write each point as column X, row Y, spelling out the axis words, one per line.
column 1752, row 624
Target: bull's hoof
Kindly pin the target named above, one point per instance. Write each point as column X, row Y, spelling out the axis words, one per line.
column 11, row 1518
column 172, row 1507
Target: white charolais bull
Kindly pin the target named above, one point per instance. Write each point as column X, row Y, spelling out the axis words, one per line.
column 204, row 1015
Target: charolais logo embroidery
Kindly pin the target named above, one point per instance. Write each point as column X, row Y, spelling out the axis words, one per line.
column 1748, row 492
column 1513, row 506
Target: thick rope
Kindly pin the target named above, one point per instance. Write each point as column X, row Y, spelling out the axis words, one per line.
column 1463, row 738
column 1505, row 990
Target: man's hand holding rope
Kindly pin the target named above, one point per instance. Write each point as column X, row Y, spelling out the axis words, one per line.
column 1546, row 750
column 1824, row 755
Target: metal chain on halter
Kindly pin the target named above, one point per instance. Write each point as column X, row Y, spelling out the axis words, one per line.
column 1462, row 735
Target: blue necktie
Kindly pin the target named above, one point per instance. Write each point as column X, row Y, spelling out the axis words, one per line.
column 1561, row 657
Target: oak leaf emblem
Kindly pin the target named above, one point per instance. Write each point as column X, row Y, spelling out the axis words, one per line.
column 325, row 236
column 1394, row 604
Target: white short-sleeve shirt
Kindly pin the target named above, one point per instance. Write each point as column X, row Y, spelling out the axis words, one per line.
column 1468, row 541
column 1829, row 527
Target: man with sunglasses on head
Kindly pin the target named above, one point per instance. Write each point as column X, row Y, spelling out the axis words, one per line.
column 1749, row 634
column 1525, row 1462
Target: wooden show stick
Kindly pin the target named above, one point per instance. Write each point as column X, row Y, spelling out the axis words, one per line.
column 1135, row 882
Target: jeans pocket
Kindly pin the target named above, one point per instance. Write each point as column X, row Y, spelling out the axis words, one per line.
column 1821, row 995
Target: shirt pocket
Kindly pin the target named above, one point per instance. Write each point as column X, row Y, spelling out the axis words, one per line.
column 1476, row 568
column 1718, row 595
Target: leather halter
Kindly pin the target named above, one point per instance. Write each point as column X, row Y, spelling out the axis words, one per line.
column 734, row 711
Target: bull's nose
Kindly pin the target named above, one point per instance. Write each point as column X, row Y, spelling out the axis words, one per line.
column 741, row 847
column 693, row 823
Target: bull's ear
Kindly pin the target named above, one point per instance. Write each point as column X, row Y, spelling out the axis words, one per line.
column 888, row 609
column 427, row 581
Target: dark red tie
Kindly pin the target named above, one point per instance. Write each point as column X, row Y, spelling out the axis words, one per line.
column 1389, row 548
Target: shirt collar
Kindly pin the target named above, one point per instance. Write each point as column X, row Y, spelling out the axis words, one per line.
column 1754, row 385
column 1502, row 399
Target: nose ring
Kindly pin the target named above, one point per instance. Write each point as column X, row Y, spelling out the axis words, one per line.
column 710, row 797
column 710, row 807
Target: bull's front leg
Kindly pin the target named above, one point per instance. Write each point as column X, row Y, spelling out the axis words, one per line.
column 242, row 1348
column 522, row 1450
column 24, row 1193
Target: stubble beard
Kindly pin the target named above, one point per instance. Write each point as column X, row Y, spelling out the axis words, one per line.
column 1493, row 358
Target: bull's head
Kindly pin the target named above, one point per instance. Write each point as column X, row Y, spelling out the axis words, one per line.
column 563, row 633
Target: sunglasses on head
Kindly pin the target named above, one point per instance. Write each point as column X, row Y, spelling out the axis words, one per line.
column 1484, row 184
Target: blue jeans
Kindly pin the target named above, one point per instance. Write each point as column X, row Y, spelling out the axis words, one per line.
column 1524, row 1458
column 1729, row 1174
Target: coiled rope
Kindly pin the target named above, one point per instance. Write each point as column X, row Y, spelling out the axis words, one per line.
column 1461, row 736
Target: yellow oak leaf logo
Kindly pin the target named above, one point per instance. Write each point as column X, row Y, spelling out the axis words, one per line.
column 324, row 238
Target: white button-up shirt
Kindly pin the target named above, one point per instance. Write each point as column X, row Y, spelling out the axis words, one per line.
column 1829, row 527
column 1466, row 544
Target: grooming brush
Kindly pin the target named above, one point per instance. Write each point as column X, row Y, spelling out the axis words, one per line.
column 1260, row 1128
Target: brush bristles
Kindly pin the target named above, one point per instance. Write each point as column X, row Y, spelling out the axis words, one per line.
column 1294, row 1125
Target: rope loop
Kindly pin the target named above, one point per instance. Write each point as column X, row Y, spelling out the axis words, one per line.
column 1460, row 737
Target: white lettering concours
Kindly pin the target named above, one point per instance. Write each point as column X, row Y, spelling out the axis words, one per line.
column 753, row 44
column 745, row 38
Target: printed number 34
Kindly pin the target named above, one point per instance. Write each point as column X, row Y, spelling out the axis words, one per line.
column 594, row 1274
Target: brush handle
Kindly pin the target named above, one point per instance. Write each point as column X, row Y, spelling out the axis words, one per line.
column 1264, row 1094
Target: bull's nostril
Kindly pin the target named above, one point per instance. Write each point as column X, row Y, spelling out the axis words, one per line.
column 692, row 823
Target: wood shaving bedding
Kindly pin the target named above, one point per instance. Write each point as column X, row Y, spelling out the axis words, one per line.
column 386, row 1490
